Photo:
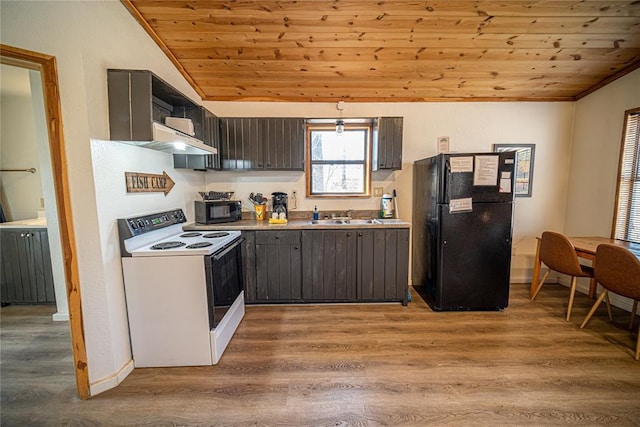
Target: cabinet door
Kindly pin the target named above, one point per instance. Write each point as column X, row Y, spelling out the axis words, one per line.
column 284, row 143
column 329, row 272
column 387, row 150
column 26, row 275
column 241, row 143
column 209, row 132
column 383, row 264
column 41, row 267
column 213, row 160
column 249, row 265
column 278, row 266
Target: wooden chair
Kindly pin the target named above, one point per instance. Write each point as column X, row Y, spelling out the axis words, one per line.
column 618, row 271
column 558, row 253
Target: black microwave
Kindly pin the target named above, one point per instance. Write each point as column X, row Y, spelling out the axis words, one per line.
column 216, row 211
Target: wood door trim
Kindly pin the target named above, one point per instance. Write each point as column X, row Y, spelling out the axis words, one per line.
column 46, row 64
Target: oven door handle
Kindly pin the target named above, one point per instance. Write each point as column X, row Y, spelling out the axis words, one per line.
column 219, row 255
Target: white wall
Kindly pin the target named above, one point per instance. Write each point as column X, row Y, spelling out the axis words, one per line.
column 49, row 195
column 21, row 191
column 595, row 153
column 470, row 126
column 87, row 38
column 594, row 161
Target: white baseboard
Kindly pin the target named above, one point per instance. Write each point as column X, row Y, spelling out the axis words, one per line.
column 60, row 317
column 111, row 381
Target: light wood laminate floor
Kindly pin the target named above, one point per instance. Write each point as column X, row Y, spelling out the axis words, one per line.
column 339, row 365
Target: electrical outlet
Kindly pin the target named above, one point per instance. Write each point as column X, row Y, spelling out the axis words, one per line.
column 41, row 203
column 377, row 191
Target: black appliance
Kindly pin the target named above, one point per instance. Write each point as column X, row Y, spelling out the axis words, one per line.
column 217, row 211
column 462, row 230
column 279, row 199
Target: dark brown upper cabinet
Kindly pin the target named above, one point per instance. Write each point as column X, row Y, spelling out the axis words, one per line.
column 387, row 144
column 256, row 143
column 137, row 98
column 211, row 136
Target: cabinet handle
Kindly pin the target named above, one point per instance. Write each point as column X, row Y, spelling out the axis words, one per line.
column 277, row 237
column 360, row 234
column 348, row 234
column 295, row 248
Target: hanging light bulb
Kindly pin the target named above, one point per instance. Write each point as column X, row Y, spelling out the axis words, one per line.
column 340, row 122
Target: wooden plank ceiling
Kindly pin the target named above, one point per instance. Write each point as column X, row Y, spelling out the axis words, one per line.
column 370, row 51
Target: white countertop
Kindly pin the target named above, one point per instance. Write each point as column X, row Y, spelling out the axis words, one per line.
column 26, row 223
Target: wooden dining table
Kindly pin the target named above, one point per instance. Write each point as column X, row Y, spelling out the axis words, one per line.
column 585, row 248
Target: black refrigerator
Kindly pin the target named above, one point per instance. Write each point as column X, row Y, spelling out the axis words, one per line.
column 462, row 230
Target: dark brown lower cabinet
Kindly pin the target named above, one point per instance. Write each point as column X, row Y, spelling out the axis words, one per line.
column 278, row 266
column 26, row 275
column 354, row 265
column 383, row 265
column 329, row 265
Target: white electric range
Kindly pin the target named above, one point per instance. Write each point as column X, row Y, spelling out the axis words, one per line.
column 184, row 290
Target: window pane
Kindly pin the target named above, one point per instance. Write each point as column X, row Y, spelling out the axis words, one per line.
column 329, row 145
column 627, row 222
column 337, row 179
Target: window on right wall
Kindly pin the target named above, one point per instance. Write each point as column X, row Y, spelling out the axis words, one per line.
column 627, row 213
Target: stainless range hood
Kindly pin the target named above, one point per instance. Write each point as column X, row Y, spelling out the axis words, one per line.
column 173, row 141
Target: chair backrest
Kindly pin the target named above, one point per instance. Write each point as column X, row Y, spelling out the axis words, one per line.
column 558, row 253
column 618, row 270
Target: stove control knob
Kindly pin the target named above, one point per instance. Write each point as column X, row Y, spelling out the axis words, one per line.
column 140, row 223
column 133, row 224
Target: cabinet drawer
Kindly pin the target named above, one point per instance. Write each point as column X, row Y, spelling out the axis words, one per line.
column 277, row 237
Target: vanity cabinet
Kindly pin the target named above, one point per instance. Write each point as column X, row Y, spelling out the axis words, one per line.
column 278, row 262
column 26, row 275
column 250, row 143
column 387, row 143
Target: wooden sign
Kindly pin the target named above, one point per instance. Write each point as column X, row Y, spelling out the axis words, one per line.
column 148, row 182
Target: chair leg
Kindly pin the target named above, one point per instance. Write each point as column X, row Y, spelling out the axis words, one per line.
column 633, row 313
column 638, row 345
column 609, row 308
column 594, row 308
column 544, row 277
column 572, row 294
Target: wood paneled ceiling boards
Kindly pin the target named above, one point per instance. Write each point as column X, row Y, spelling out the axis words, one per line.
column 370, row 51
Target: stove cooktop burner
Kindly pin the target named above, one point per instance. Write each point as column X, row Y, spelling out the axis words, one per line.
column 199, row 245
column 216, row 235
column 167, row 245
column 191, row 234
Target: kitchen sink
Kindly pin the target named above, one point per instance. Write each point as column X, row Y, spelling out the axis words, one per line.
column 345, row 221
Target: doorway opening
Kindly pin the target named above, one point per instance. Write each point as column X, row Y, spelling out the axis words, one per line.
column 46, row 66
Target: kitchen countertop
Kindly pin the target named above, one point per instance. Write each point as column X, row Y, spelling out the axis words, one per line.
column 26, row 223
column 295, row 224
